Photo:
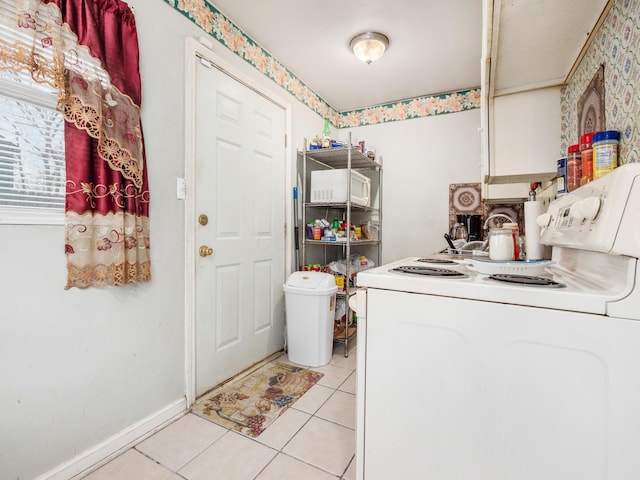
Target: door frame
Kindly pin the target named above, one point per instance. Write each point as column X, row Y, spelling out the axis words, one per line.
column 194, row 51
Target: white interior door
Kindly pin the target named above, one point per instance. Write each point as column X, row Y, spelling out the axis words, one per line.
column 240, row 187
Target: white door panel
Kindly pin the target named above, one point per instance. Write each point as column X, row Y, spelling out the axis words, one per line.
column 240, row 173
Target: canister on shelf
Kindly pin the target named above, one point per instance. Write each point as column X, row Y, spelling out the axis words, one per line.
column 586, row 153
column 605, row 152
column 562, row 176
column 574, row 167
column 501, row 244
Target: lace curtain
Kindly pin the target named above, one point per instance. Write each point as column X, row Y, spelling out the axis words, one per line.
column 88, row 51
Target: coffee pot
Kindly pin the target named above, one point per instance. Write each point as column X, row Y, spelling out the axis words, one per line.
column 459, row 232
column 472, row 225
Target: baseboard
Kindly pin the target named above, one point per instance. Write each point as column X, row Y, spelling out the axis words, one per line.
column 103, row 452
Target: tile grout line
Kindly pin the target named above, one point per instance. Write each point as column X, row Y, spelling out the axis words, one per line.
column 311, row 416
column 281, row 450
column 277, row 451
column 353, row 459
column 316, row 467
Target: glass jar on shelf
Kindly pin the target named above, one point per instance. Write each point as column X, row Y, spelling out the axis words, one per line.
column 574, row 167
column 586, row 157
column 501, row 245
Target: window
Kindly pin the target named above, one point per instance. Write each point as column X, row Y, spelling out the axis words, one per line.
column 32, row 165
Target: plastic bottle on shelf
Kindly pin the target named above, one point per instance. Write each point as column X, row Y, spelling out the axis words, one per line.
column 574, row 167
column 605, row 152
column 326, row 134
column 562, row 176
column 335, row 226
column 317, row 230
column 522, row 252
column 586, row 154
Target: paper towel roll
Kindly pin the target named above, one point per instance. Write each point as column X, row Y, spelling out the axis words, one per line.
column 532, row 210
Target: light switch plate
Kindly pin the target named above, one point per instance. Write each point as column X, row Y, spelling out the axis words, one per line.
column 181, row 188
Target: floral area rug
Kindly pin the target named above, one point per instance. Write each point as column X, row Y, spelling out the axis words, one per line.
column 250, row 404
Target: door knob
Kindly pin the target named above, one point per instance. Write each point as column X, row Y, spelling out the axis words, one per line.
column 205, row 251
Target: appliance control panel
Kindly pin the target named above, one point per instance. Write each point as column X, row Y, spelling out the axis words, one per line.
column 581, row 213
column 593, row 216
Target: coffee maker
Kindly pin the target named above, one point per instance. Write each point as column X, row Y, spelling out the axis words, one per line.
column 473, row 225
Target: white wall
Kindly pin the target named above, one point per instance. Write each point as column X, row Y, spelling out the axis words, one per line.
column 81, row 366
column 420, row 158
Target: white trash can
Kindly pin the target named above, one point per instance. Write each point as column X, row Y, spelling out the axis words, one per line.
column 310, row 301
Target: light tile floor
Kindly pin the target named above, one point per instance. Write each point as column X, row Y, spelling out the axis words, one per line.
column 313, row 440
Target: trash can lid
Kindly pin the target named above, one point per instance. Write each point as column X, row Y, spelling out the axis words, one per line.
column 311, row 281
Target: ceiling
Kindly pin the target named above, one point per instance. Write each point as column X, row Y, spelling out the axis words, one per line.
column 535, row 43
column 435, row 46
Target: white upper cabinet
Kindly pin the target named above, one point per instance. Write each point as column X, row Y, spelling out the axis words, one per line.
column 530, row 49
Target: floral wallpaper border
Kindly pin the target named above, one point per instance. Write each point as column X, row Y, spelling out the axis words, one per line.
column 413, row 108
column 213, row 22
column 616, row 46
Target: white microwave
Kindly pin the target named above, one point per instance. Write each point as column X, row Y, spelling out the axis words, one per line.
column 330, row 186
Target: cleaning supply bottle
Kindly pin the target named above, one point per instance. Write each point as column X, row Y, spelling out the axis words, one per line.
column 317, row 230
column 335, row 226
column 326, row 134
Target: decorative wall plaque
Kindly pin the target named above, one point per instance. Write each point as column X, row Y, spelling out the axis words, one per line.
column 591, row 110
column 464, row 198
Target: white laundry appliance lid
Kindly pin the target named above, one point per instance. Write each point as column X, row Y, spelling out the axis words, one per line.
column 311, row 283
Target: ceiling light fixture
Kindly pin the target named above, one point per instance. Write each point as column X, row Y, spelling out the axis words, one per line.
column 369, row 46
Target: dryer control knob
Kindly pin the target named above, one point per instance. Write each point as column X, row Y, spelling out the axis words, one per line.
column 544, row 220
column 589, row 208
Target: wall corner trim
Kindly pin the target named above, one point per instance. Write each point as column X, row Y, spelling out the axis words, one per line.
column 98, row 455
